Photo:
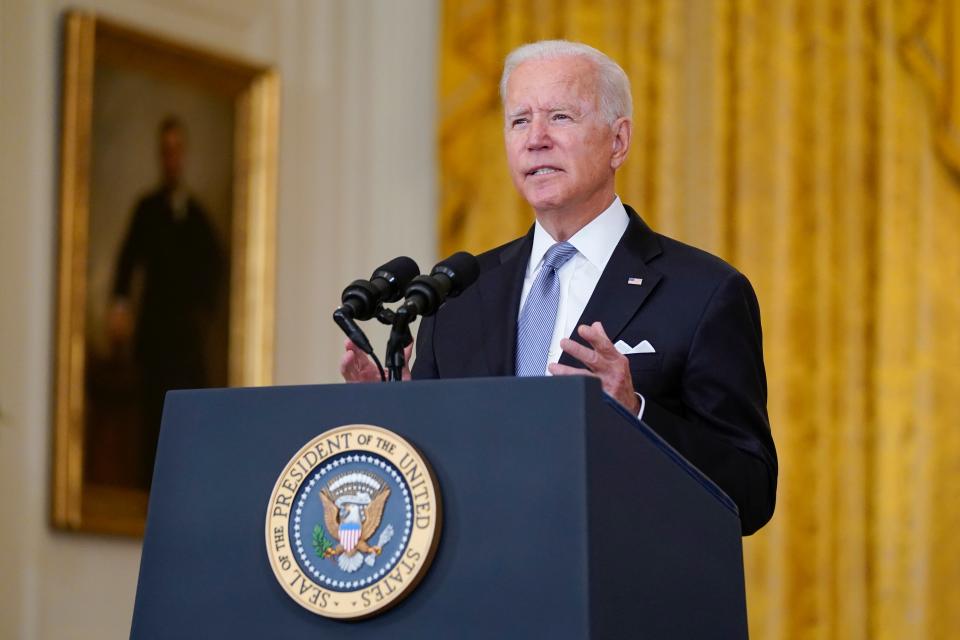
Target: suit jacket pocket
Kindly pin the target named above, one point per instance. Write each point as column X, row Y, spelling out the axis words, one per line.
column 644, row 361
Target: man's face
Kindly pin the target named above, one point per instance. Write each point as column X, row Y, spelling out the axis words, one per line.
column 561, row 151
column 172, row 154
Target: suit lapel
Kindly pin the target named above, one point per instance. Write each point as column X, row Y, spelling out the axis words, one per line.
column 500, row 290
column 615, row 300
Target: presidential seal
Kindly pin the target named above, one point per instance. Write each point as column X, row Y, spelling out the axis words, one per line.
column 353, row 522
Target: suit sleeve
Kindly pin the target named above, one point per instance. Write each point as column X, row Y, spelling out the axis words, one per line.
column 131, row 253
column 722, row 424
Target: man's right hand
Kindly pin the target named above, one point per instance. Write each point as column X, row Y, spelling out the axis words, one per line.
column 356, row 366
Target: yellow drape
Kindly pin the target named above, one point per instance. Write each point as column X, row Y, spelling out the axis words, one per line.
column 814, row 145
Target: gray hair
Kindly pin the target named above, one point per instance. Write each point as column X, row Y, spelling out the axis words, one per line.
column 615, row 99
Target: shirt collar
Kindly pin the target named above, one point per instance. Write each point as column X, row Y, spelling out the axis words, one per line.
column 595, row 242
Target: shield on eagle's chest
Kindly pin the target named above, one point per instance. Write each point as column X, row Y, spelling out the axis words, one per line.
column 349, row 535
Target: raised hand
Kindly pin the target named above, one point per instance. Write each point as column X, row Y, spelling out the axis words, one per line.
column 356, row 366
column 603, row 361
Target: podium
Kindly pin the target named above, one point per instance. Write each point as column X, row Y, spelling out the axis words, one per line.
column 563, row 516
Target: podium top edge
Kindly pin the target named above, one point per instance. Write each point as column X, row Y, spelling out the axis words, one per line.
column 576, row 381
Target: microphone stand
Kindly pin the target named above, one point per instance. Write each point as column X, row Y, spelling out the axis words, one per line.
column 400, row 337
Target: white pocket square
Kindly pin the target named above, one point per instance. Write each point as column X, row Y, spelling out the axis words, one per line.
column 643, row 347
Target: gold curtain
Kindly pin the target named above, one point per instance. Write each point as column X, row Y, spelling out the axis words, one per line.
column 814, row 145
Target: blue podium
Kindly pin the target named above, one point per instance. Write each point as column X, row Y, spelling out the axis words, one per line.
column 563, row 517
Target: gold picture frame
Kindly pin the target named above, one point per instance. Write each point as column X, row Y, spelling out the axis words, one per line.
column 114, row 77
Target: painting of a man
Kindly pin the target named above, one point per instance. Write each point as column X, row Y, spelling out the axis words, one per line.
column 172, row 250
column 165, row 262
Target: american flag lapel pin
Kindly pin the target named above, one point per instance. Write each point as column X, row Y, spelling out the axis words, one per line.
column 635, row 281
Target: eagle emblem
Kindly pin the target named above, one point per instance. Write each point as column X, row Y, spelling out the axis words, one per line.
column 353, row 505
column 355, row 512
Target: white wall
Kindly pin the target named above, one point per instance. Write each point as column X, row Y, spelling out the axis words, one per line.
column 357, row 187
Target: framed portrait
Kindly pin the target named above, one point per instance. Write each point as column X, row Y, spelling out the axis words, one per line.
column 166, row 252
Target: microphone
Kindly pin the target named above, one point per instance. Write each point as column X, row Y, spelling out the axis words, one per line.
column 426, row 294
column 363, row 298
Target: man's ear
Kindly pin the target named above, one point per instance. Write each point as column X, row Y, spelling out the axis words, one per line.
column 622, row 132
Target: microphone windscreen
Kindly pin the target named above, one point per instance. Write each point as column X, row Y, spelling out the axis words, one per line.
column 462, row 268
column 398, row 272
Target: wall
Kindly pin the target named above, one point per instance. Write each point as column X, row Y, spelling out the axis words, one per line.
column 356, row 187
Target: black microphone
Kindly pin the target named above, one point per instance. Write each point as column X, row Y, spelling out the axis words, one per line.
column 426, row 294
column 363, row 298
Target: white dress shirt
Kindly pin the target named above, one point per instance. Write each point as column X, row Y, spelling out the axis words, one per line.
column 579, row 275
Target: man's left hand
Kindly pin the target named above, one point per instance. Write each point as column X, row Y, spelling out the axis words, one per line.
column 603, row 361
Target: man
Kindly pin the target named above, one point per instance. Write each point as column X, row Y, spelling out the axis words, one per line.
column 172, row 245
column 672, row 333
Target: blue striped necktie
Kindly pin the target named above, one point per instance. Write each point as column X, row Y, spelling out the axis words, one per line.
column 539, row 314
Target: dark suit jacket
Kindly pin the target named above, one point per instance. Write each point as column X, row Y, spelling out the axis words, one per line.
column 705, row 387
column 180, row 261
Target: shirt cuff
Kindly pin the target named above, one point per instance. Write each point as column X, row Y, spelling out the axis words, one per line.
column 643, row 405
